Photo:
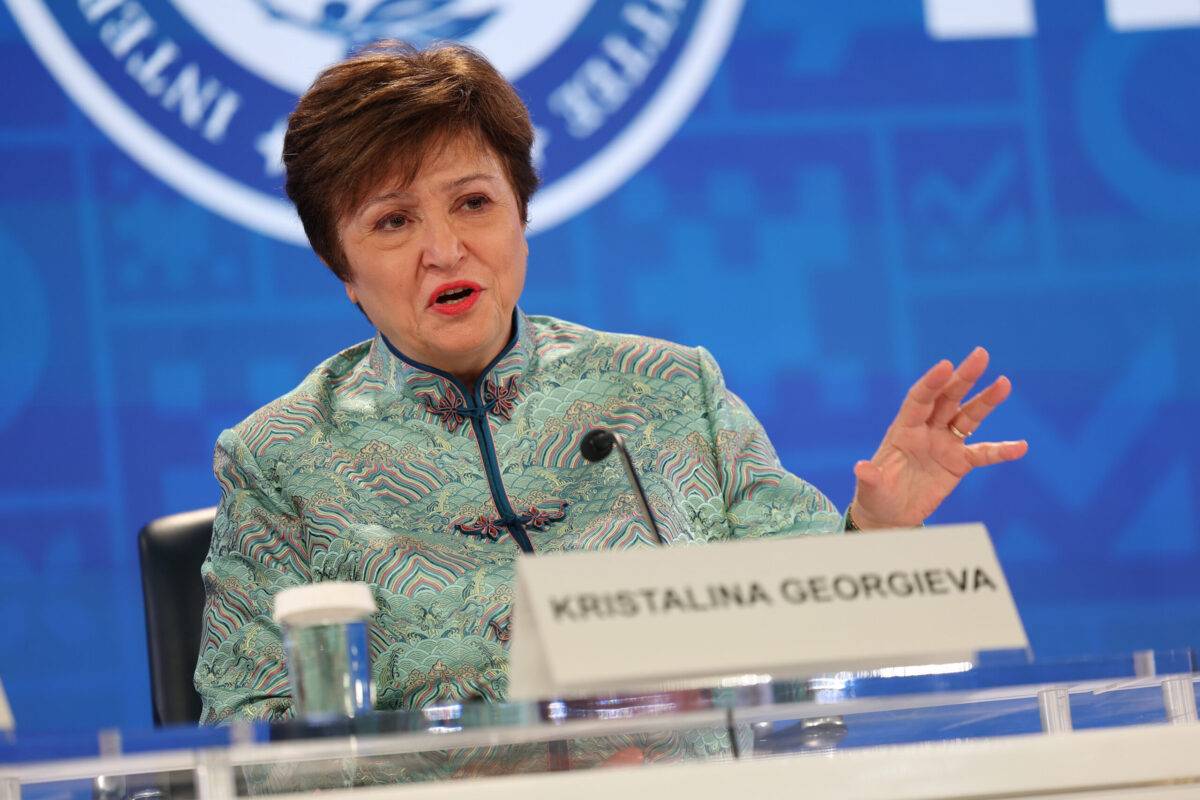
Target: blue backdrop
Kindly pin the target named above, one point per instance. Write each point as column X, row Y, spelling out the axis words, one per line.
column 853, row 196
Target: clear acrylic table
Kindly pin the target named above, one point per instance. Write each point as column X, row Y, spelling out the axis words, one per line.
column 1121, row 726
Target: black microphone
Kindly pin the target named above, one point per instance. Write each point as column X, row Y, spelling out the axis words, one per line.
column 596, row 445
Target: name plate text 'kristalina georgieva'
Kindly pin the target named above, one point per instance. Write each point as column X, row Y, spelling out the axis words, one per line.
column 637, row 619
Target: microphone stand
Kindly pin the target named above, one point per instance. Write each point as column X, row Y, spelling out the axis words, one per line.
column 596, row 445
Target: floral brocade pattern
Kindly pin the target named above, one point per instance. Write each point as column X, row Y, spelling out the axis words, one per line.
column 374, row 470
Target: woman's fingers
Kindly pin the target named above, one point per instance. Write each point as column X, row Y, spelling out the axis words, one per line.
column 867, row 473
column 918, row 403
column 985, row 454
column 976, row 410
column 968, row 372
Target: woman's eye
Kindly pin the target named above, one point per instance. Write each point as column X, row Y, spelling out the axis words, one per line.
column 392, row 222
column 475, row 202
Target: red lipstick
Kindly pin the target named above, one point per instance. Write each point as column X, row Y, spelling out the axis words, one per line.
column 454, row 298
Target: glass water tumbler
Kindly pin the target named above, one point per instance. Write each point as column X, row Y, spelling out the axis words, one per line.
column 325, row 637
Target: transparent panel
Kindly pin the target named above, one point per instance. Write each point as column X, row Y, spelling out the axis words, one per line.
column 740, row 717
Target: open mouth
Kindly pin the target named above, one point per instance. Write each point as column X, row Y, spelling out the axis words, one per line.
column 454, row 296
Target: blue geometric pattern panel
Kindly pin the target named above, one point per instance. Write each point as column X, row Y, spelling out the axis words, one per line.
column 829, row 197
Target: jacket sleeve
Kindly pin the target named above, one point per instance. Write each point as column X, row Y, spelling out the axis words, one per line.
column 258, row 548
column 761, row 497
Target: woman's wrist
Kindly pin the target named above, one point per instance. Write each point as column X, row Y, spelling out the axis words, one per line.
column 856, row 520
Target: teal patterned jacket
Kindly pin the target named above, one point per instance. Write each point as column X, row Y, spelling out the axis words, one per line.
column 380, row 469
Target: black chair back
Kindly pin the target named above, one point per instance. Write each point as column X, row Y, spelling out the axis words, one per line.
column 172, row 550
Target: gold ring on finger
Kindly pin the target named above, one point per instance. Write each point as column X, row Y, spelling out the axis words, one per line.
column 956, row 431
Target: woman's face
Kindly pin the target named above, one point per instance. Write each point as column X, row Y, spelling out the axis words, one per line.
column 438, row 265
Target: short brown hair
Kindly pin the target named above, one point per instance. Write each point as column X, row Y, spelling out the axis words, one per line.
column 378, row 114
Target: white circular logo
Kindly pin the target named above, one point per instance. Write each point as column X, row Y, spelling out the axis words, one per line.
column 199, row 92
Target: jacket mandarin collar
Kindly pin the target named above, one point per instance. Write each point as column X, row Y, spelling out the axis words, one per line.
column 496, row 391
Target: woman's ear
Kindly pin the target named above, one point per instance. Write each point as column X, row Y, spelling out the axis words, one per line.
column 353, row 295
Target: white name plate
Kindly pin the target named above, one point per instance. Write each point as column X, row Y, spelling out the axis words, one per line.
column 624, row 620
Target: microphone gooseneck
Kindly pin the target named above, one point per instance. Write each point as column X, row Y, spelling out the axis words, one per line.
column 596, row 446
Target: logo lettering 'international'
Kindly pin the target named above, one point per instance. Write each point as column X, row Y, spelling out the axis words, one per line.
column 198, row 92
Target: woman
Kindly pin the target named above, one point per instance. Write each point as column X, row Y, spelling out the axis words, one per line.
column 425, row 460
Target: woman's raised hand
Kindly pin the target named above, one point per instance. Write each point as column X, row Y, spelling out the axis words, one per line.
column 924, row 453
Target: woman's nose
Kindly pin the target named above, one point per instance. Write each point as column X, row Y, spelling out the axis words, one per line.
column 442, row 246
